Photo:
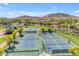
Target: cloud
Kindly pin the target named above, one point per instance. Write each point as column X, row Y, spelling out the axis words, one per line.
column 76, row 12
column 6, row 4
column 6, row 12
column 16, row 13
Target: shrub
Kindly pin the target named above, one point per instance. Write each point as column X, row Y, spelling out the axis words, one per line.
column 49, row 30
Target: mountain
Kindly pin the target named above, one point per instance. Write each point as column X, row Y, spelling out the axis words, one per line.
column 49, row 17
column 24, row 17
column 60, row 16
column 57, row 15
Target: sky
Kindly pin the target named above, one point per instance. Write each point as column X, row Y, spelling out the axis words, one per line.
column 37, row 9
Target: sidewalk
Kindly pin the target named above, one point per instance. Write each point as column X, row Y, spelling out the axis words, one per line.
column 2, row 45
column 2, row 33
column 44, row 54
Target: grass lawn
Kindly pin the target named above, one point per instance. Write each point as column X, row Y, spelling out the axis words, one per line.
column 1, row 40
column 2, row 28
column 70, row 36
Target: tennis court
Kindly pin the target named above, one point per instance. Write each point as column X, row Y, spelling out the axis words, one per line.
column 29, row 44
column 33, row 44
column 56, row 44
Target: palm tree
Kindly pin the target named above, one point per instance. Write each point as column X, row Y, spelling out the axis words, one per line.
column 14, row 37
column 9, row 39
column 20, row 30
column 6, row 52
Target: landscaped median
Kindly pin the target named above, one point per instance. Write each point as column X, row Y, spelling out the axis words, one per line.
column 5, row 40
column 3, row 46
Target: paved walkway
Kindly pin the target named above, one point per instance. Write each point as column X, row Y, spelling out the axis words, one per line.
column 3, row 44
column 44, row 54
column 2, row 33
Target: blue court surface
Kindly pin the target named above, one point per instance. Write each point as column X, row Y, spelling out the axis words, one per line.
column 53, row 42
column 29, row 41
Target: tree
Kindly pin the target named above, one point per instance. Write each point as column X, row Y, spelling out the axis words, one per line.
column 9, row 39
column 14, row 33
column 49, row 30
column 20, row 30
column 42, row 29
column 74, row 51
